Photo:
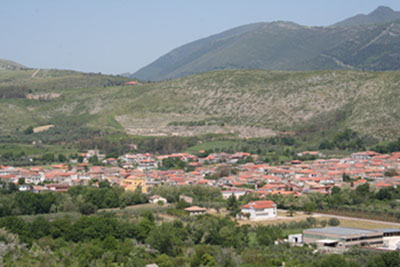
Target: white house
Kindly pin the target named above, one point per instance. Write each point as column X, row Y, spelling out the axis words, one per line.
column 195, row 210
column 233, row 192
column 259, row 210
column 155, row 199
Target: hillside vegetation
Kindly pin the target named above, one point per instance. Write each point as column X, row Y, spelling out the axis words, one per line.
column 10, row 65
column 369, row 42
column 249, row 103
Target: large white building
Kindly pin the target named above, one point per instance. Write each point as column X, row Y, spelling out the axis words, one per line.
column 259, row 210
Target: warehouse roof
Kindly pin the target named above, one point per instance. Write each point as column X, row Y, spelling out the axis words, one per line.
column 342, row 231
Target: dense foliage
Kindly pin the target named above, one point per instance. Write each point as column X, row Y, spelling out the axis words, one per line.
column 191, row 241
column 78, row 198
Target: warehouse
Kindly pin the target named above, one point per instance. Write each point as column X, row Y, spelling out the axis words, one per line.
column 342, row 237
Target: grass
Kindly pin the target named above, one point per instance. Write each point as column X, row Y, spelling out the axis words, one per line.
column 211, row 145
column 355, row 223
column 33, row 150
column 300, row 216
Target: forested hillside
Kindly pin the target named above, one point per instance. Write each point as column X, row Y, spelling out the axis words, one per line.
column 365, row 42
column 243, row 103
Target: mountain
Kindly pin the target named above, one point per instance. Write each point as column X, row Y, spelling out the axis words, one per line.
column 381, row 15
column 10, row 65
column 247, row 103
column 285, row 46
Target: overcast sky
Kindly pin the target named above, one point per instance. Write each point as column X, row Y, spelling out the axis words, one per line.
column 119, row 36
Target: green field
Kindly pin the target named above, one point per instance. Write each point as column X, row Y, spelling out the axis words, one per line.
column 211, row 146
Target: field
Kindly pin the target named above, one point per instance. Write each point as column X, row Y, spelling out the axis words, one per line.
column 345, row 222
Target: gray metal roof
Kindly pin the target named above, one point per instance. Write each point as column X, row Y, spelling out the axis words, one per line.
column 389, row 230
column 341, row 231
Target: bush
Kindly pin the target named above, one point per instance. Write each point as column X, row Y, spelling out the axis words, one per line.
column 333, row 222
column 87, row 209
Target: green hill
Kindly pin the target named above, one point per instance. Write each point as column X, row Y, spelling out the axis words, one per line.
column 247, row 103
column 288, row 46
column 10, row 65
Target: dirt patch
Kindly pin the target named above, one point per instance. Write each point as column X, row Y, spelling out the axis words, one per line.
column 42, row 96
column 158, row 126
column 43, row 128
column 240, row 131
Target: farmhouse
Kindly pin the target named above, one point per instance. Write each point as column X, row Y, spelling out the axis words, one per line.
column 194, row 210
column 156, row 198
column 259, row 210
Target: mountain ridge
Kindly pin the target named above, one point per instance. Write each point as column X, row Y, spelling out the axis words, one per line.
column 283, row 45
column 382, row 14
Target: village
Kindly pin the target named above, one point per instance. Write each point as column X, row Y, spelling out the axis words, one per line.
column 235, row 175
column 229, row 172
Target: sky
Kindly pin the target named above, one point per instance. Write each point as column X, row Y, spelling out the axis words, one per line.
column 118, row 36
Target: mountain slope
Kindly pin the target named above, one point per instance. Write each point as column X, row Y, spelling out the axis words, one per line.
column 10, row 65
column 283, row 46
column 247, row 103
column 379, row 16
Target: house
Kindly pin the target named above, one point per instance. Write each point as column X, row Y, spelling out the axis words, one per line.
column 195, row 210
column 186, row 199
column 259, row 210
column 25, row 187
column 364, row 155
column 132, row 182
column 156, row 199
column 295, row 239
column 130, row 83
column 237, row 193
column 391, row 238
column 310, row 153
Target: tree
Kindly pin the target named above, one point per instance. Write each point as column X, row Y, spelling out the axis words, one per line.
column 165, row 239
column 87, row 209
column 62, row 158
column 334, row 222
column 181, row 204
column 28, row 130
column 21, row 180
column 208, row 260
column 332, row 261
column 335, row 190
column 309, row 207
column 391, row 259
column 48, row 157
column 290, row 212
column 311, row 221
column 232, row 203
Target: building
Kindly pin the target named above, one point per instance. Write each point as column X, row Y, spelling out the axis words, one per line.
column 295, row 239
column 195, row 210
column 259, row 210
column 186, row 199
column 156, row 199
column 237, row 193
column 133, row 182
column 391, row 238
column 341, row 238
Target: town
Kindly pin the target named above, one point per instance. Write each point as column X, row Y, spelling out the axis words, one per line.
column 235, row 175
